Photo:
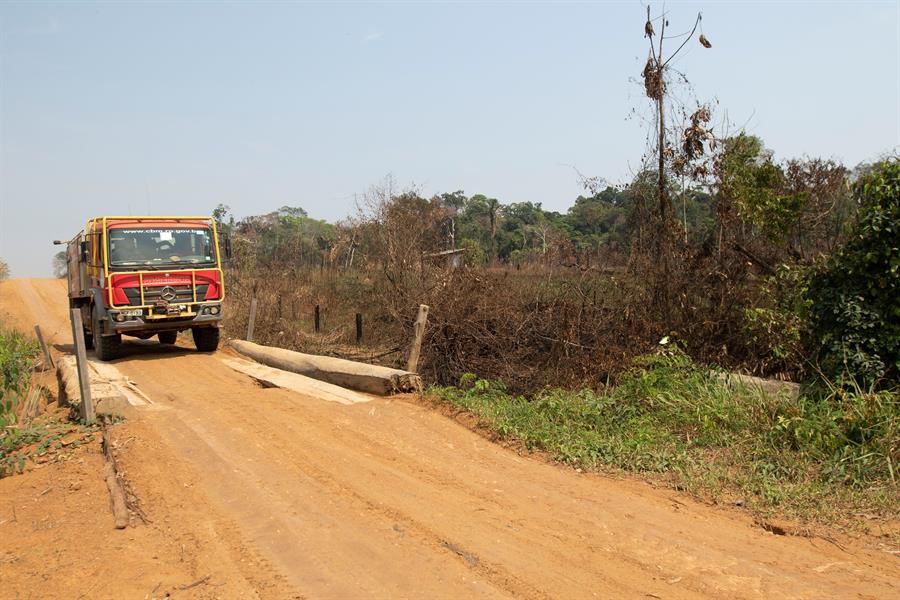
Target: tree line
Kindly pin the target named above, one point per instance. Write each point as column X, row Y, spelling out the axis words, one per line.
column 798, row 209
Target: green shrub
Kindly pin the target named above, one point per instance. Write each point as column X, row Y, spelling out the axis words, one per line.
column 778, row 325
column 16, row 353
column 855, row 300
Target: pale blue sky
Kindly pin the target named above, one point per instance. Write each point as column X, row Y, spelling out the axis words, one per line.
column 175, row 107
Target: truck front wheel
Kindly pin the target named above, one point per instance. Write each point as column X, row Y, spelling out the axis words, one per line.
column 106, row 347
column 206, row 338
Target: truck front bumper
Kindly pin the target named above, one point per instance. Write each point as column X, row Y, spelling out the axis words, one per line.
column 199, row 315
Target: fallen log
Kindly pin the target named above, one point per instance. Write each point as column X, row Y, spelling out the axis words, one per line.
column 105, row 395
column 362, row 377
column 772, row 387
column 117, row 497
column 116, row 491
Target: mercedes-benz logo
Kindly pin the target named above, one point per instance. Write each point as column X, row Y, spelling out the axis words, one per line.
column 168, row 293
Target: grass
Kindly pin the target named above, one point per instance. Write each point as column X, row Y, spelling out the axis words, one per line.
column 24, row 439
column 820, row 457
column 16, row 357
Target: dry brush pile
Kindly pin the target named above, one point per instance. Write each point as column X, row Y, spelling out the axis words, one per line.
column 735, row 291
column 531, row 327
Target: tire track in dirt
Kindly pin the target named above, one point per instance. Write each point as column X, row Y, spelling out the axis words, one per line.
column 415, row 520
column 313, row 532
column 420, row 534
column 210, row 542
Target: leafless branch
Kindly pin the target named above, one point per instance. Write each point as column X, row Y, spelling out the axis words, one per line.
column 686, row 40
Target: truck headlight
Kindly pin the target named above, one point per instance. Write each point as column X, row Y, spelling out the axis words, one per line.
column 214, row 310
column 118, row 317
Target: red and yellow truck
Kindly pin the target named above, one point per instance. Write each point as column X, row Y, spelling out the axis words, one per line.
column 146, row 276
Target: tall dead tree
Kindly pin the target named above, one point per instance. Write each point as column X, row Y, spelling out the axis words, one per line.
column 655, row 76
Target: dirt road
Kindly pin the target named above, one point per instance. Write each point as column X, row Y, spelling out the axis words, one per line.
column 286, row 495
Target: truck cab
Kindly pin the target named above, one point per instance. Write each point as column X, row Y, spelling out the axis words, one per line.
column 146, row 276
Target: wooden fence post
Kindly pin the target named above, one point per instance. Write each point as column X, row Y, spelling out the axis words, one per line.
column 48, row 360
column 317, row 318
column 358, row 328
column 421, row 320
column 84, row 382
column 251, row 322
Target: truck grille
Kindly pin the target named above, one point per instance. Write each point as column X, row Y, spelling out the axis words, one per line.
column 152, row 294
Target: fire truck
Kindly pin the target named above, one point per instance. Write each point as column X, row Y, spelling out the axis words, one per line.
column 146, row 276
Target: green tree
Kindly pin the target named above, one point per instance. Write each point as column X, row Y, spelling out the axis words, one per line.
column 518, row 229
column 855, row 309
column 493, row 206
column 474, row 255
column 796, row 209
column 750, row 178
column 224, row 219
column 478, row 222
column 287, row 236
column 599, row 220
column 453, row 204
column 60, row 267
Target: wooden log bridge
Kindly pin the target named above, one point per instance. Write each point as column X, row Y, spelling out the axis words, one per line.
column 362, row 377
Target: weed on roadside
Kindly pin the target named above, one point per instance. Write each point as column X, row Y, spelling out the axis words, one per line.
column 812, row 457
column 16, row 356
column 25, row 440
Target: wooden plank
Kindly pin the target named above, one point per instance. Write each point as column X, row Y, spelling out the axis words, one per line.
column 295, row 382
column 87, row 405
column 251, row 323
column 48, row 360
column 421, row 320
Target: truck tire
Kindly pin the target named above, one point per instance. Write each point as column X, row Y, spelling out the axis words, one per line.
column 167, row 337
column 86, row 325
column 206, row 338
column 106, row 347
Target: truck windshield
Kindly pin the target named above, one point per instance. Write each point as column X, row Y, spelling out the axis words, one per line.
column 160, row 247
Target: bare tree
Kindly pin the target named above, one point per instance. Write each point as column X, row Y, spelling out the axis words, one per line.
column 493, row 210
column 398, row 231
column 656, row 78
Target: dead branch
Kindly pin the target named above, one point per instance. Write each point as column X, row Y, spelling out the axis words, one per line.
column 120, row 495
column 200, row 581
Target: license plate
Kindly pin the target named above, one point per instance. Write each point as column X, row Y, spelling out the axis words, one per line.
column 133, row 313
